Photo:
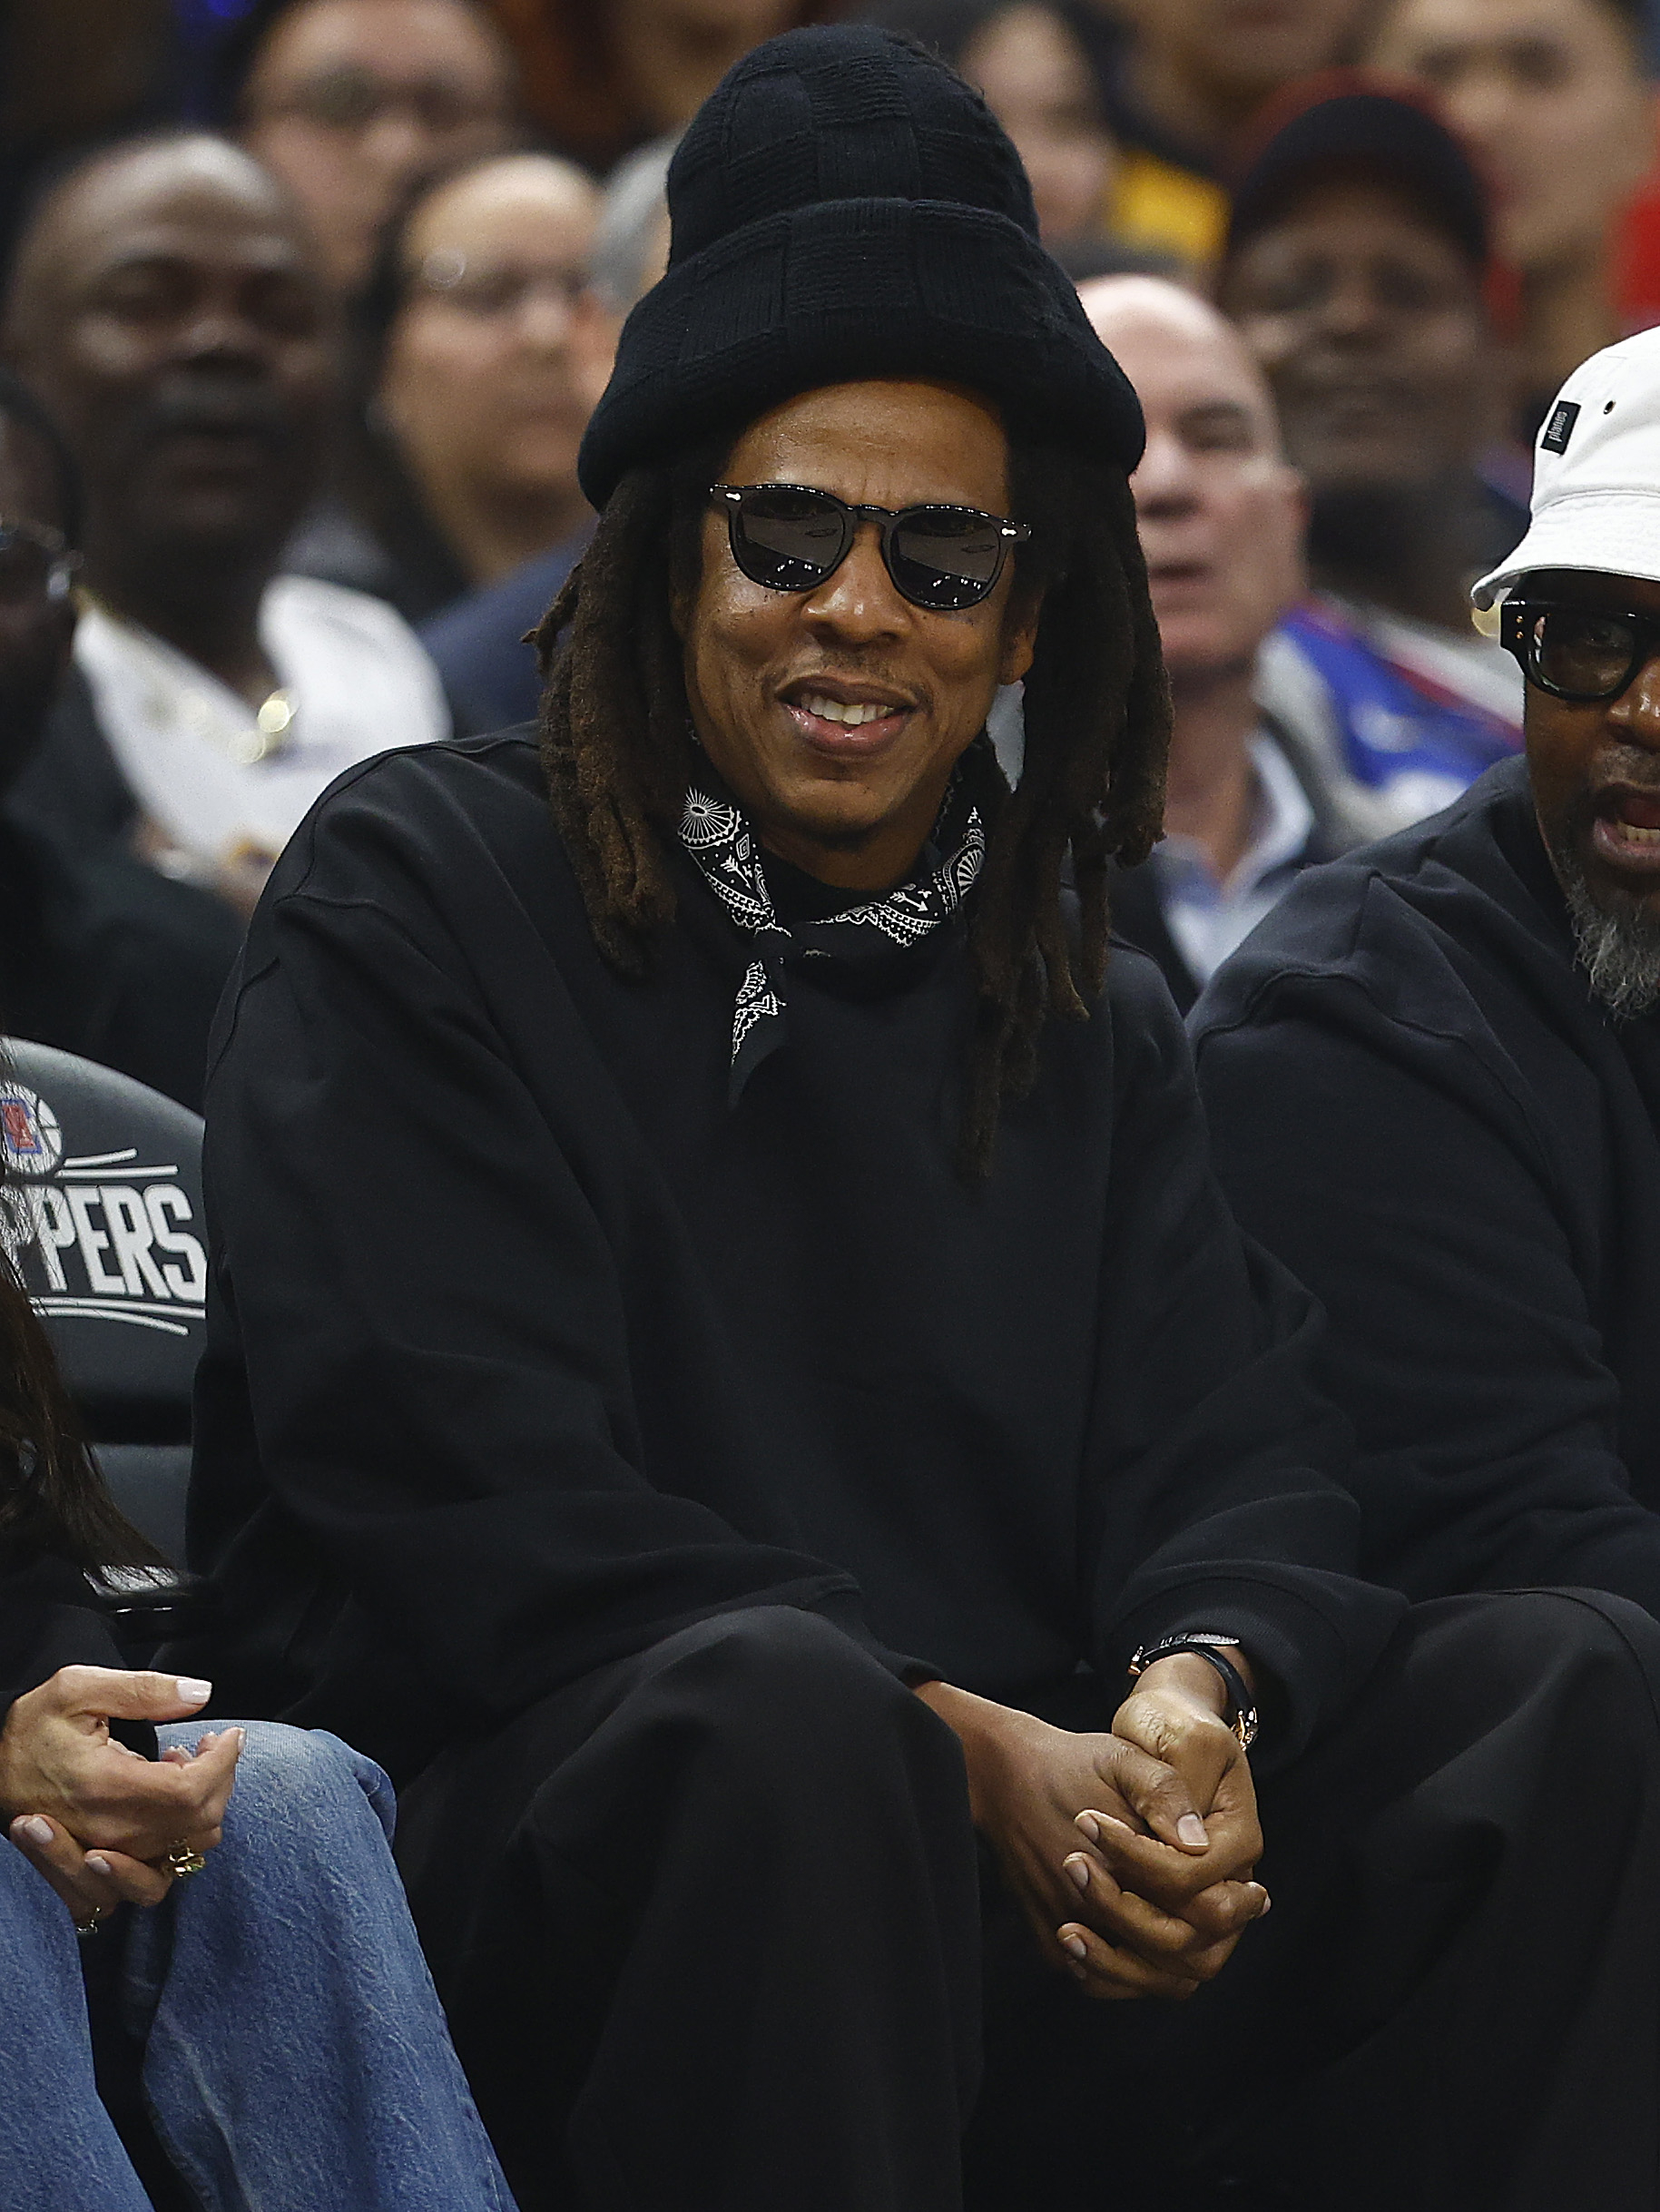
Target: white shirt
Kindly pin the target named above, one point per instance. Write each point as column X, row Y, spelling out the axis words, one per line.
column 355, row 676
column 1207, row 920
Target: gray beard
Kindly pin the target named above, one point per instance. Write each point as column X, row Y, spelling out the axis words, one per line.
column 1619, row 951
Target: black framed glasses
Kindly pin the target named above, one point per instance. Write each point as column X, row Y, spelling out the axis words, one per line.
column 790, row 536
column 1584, row 653
column 35, row 563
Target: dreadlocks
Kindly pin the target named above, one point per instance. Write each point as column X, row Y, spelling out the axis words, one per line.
column 618, row 755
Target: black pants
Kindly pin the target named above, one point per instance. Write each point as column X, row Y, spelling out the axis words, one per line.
column 712, row 1937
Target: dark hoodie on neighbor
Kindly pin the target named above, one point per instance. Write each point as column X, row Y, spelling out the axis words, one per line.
column 1415, row 1100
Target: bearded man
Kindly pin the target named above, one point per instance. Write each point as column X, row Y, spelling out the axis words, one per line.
column 1433, row 1075
column 728, row 1352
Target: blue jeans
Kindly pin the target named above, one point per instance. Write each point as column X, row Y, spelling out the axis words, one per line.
column 296, row 2059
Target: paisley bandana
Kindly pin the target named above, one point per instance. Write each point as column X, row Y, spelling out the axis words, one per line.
column 719, row 838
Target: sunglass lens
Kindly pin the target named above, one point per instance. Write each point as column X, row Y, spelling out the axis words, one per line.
column 789, row 540
column 947, row 557
column 1582, row 653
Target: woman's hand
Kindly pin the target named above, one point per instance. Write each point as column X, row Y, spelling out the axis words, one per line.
column 1153, row 1902
column 59, row 1765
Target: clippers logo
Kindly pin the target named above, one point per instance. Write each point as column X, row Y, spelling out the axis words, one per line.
column 1556, row 432
column 30, row 1138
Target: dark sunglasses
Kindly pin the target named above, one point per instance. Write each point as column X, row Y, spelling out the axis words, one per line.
column 35, row 563
column 790, row 537
column 1583, row 653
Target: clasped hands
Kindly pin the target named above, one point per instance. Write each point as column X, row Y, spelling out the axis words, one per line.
column 95, row 1818
column 1132, row 1855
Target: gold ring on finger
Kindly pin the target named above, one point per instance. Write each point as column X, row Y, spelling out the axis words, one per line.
column 181, row 1862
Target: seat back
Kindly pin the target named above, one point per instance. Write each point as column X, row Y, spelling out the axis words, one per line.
column 100, row 1210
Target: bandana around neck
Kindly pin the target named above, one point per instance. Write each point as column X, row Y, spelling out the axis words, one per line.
column 718, row 836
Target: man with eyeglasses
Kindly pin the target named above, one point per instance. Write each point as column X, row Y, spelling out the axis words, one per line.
column 1433, row 1075
column 349, row 101
column 728, row 1370
column 98, row 955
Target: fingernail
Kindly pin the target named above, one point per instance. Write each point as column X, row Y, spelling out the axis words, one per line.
column 38, row 1831
column 191, row 1692
column 1190, row 1830
column 1075, row 1946
column 1090, row 1826
column 99, row 1866
column 1078, row 1868
column 1265, row 1907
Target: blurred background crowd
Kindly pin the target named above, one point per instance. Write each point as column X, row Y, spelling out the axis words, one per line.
column 306, row 303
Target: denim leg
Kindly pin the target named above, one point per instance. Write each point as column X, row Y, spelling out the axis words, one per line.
column 297, row 2058
column 58, row 2144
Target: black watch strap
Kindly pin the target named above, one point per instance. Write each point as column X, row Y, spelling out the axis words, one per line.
column 1243, row 1717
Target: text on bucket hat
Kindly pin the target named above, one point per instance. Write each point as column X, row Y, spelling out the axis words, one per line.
column 1595, row 473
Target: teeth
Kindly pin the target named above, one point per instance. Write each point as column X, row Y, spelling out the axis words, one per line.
column 834, row 710
column 1635, row 830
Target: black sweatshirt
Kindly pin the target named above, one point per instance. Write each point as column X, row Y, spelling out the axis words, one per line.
column 526, row 1348
column 101, row 956
column 1415, row 1101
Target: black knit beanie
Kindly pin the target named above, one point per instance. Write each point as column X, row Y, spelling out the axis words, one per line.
column 844, row 206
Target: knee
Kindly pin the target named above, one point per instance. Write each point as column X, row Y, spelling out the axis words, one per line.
column 295, row 1783
column 785, row 1693
column 1593, row 1655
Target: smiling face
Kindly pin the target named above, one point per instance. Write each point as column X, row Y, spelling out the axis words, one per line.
column 1369, row 324
column 1596, row 776
column 771, row 676
column 168, row 309
column 1219, row 512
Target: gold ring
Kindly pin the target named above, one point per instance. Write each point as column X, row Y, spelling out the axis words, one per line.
column 83, row 1928
column 181, row 1862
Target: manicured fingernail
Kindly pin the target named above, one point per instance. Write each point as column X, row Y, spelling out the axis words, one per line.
column 1267, row 1904
column 1190, row 1830
column 1090, row 1826
column 38, row 1831
column 1075, row 1946
column 99, row 1866
column 191, row 1692
column 1078, row 1868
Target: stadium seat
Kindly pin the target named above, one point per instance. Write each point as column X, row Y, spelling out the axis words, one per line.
column 100, row 1209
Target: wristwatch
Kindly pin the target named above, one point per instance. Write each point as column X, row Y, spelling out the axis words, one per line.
column 1208, row 1644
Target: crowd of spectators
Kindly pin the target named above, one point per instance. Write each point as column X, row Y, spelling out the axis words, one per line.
column 306, row 305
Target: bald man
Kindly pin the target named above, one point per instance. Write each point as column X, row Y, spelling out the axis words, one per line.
column 167, row 306
column 1220, row 514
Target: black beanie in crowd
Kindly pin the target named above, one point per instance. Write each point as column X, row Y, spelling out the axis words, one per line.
column 844, row 206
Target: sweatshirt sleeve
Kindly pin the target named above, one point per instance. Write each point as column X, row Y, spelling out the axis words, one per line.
column 1391, row 1172
column 426, row 1310
column 1218, row 1503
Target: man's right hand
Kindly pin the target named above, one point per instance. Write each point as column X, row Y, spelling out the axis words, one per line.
column 59, row 1761
column 1029, row 1783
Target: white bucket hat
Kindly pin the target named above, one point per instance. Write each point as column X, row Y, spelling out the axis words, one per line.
column 1596, row 473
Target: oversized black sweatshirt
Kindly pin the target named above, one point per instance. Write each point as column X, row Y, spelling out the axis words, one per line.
column 527, row 1347
column 1415, row 1101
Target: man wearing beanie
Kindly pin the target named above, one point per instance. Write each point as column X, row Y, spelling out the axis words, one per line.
column 728, row 1355
column 1433, row 1075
